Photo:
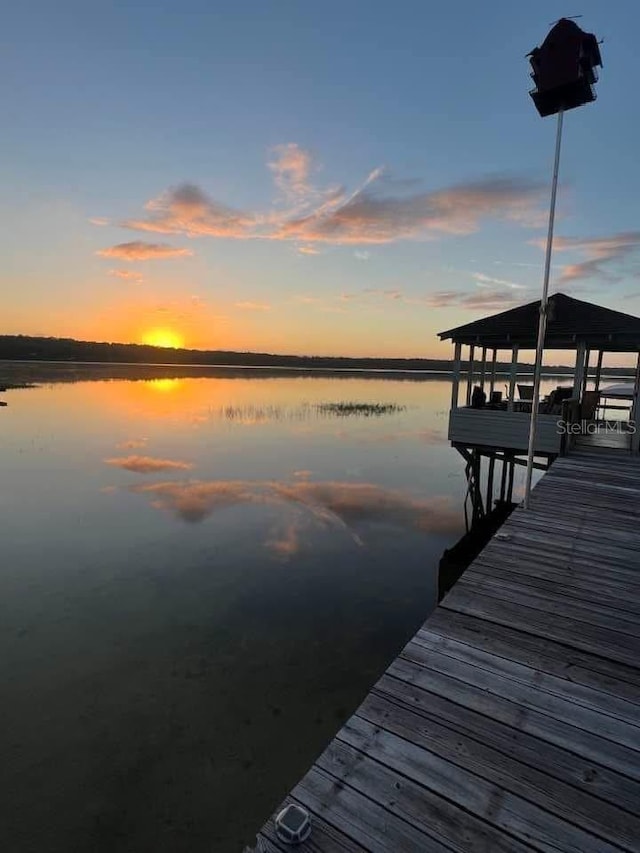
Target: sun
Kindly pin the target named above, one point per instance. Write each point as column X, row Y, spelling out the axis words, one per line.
column 163, row 338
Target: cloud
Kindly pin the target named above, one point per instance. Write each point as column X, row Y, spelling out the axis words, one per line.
column 127, row 275
column 99, row 220
column 371, row 217
column 308, row 250
column 379, row 211
column 599, row 252
column 253, row 306
column 147, row 464
column 291, row 166
column 186, row 209
column 141, row 251
column 484, row 299
column 332, row 503
column 487, row 280
column 361, row 255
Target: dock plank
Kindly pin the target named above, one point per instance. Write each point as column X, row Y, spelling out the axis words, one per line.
column 551, row 760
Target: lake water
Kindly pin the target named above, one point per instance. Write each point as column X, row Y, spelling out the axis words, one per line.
column 200, row 579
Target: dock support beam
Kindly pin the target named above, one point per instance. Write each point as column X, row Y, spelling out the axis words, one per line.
column 484, row 367
column 455, row 383
column 598, row 370
column 513, row 377
column 578, row 374
column 472, row 350
column 493, row 372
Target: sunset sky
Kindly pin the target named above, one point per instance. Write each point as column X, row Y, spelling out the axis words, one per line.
column 330, row 178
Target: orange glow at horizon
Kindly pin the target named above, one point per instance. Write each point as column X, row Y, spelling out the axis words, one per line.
column 163, row 337
column 164, row 385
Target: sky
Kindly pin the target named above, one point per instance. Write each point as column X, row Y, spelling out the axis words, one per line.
column 328, row 178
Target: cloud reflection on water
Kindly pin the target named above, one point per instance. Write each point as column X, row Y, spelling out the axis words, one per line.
column 331, row 503
column 147, row 464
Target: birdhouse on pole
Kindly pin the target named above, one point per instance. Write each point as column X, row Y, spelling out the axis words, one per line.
column 564, row 68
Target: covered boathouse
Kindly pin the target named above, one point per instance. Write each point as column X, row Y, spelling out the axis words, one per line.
column 488, row 425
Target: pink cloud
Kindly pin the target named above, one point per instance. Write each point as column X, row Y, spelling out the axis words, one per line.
column 599, row 252
column 369, row 217
column 291, row 167
column 141, row 251
column 378, row 211
column 186, row 209
column 483, row 299
column 147, row 464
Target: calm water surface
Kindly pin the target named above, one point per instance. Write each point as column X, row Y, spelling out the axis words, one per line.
column 200, row 580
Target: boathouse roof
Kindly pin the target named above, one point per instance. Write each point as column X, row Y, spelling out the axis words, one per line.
column 569, row 322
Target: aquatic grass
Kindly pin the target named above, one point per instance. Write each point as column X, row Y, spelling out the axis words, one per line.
column 367, row 410
column 256, row 414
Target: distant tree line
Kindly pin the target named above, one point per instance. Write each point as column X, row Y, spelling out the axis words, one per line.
column 28, row 348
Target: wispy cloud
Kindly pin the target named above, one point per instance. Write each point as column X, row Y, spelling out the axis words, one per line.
column 599, row 253
column 378, row 211
column 372, row 217
column 253, row 306
column 482, row 299
column 361, row 255
column 505, row 295
column 138, row 250
column 186, row 209
column 147, row 464
column 127, row 275
column 487, row 281
column 99, row 220
column 308, row 250
column 291, row 167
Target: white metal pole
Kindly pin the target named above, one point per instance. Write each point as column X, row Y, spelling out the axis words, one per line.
column 542, row 324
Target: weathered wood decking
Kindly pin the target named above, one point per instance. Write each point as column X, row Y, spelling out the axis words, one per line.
column 511, row 721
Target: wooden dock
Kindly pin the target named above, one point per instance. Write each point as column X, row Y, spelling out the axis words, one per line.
column 511, row 721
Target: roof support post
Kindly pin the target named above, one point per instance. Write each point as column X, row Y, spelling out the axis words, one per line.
column 585, row 378
column 493, row 372
column 472, row 350
column 455, row 382
column 483, row 369
column 578, row 373
column 598, row 370
column 513, row 376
